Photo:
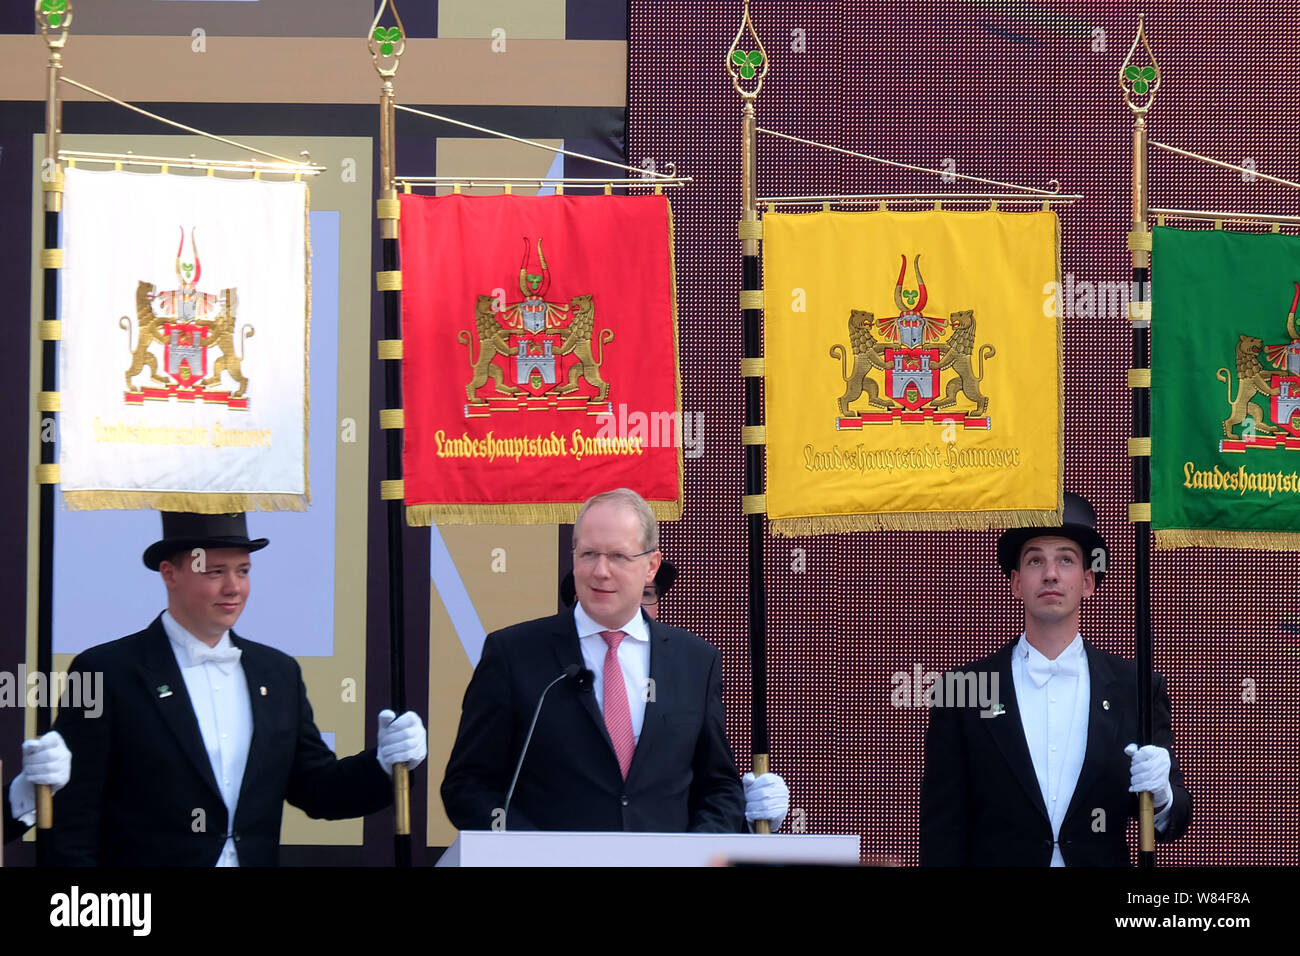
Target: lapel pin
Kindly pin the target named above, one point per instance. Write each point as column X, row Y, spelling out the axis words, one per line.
column 262, row 688
column 164, row 691
column 1105, row 705
column 997, row 711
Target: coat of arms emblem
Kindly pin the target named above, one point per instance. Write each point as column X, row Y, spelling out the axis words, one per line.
column 184, row 323
column 535, row 352
column 1276, row 375
column 913, row 357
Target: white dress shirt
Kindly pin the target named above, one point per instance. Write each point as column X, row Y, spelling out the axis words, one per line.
column 1054, row 716
column 219, row 693
column 633, row 658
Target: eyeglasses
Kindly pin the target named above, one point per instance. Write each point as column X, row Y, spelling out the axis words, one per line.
column 649, row 598
column 617, row 558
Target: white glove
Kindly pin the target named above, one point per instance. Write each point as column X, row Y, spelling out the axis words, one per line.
column 766, row 798
column 1149, row 770
column 401, row 740
column 45, row 761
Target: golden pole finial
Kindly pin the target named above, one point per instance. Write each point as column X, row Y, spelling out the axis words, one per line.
column 386, row 45
column 1139, row 80
column 54, row 17
column 747, row 66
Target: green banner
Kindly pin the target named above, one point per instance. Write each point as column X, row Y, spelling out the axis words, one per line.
column 1225, row 389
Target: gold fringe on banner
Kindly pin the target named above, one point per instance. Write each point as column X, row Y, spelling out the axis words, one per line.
column 421, row 516
column 207, row 504
column 1169, row 538
column 912, row 521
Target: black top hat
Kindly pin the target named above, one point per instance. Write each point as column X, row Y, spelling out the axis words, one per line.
column 182, row 531
column 664, row 579
column 1080, row 526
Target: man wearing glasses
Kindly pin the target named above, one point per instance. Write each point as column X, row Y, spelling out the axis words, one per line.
column 650, row 594
column 642, row 747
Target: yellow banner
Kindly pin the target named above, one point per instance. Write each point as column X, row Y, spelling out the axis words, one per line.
column 913, row 375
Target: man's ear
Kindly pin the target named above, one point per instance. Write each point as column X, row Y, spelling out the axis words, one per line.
column 655, row 560
column 1015, row 584
column 168, row 572
column 1089, row 583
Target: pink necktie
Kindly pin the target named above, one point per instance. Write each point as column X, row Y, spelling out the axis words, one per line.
column 618, row 716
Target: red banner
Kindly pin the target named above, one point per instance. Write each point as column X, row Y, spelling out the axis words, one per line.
column 539, row 356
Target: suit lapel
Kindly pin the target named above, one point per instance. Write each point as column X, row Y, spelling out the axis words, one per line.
column 662, row 674
column 1102, row 724
column 564, row 641
column 258, row 677
column 163, row 684
column 1008, row 732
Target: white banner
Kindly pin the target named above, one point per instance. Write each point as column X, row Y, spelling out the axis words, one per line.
column 183, row 364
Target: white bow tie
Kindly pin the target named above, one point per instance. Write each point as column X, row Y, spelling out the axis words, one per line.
column 224, row 657
column 1041, row 670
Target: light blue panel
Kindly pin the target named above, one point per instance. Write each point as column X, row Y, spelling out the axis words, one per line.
column 328, row 737
column 102, row 590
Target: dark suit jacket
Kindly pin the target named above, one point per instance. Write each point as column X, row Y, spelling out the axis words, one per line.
column 13, row 828
column 682, row 778
column 140, row 773
column 980, row 800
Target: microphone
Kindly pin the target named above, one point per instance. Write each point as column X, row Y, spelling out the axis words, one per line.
column 582, row 678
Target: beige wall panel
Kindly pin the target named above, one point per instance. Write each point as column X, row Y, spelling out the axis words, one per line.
column 535, row 19
column 322, row 70
column 524, row 590
column 485, row 158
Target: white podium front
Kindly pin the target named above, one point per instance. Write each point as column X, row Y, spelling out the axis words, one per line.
column 561, row 848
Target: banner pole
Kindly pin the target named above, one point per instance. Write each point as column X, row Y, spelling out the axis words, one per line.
column 54, row 31
column 1141, row 82
column 748, row 66
column 386, row 45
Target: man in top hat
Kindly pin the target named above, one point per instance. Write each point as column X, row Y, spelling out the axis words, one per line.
column 204, row 734
column 643, row 747
column 1048, row 775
